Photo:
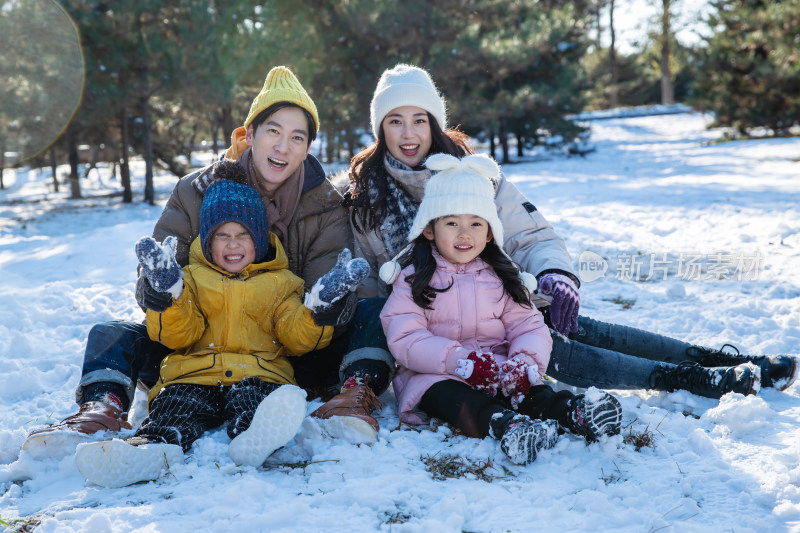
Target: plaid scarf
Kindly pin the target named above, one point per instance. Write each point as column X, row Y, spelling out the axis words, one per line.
column 404, row 191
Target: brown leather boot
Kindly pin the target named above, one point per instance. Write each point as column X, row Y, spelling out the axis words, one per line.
column 91, row 418
column 357, row 401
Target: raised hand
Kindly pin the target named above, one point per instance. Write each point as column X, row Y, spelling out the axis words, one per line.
column 331, row 300
column 565, row 301
column 149, row 298
column 159, row 265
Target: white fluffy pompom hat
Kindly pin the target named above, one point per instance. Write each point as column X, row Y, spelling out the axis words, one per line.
column 463, row 186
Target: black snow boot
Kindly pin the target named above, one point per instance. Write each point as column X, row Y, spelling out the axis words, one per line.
column 521, row 438
column 709, row 382
column 594, row 414
column 777, row 371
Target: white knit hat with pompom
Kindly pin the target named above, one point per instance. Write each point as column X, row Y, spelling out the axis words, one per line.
column 463, row 186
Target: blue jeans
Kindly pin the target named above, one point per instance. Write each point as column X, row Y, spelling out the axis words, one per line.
column 600, row 354
column 367, row 339
column 611, row 356
column 122, row 353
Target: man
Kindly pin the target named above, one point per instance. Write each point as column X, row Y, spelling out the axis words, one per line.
column 303, row 209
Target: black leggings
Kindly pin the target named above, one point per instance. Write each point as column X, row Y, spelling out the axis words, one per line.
column 471, row 410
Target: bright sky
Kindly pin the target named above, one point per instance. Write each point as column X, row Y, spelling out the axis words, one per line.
column 632, row 19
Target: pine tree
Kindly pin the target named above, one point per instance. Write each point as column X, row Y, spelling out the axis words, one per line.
column 750, row 71
column 532, row 81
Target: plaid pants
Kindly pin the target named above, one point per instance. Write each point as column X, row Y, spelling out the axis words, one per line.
column 182, row 412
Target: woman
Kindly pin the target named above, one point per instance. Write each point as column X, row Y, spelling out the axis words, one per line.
column 387, row 180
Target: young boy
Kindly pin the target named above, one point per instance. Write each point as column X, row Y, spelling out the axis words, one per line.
column 305, row 213
column 236, row 317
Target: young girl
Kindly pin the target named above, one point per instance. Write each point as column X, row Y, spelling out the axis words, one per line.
column 236, row 318
column 409, row 122
column 472, row 349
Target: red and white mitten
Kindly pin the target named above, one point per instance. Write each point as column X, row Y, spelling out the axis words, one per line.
column 481, row 371
column 518, row 378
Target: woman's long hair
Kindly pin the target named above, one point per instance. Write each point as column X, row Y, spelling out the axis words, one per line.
column 425, row 265
column 367, row 166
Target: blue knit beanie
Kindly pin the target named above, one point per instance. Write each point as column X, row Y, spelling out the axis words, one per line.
column 229, row 201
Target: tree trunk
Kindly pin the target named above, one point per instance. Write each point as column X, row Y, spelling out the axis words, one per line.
column 520, row 145
column 215, row 135
column 492, row 145
column 72, row 156
column 613, row 96
column 504, row 139
column 93, row 162
column 667, row 87
column 227, row 122
column 190, row 144
column 149, row 189
column 124, row 168
column 54, row 167
column 329, row 146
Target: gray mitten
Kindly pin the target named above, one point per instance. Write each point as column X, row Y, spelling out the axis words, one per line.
column 159, row 266
column 342, row 278
column 326, row 299
column 149, row 298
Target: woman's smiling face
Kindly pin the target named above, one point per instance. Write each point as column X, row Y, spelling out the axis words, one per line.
column 407, row 131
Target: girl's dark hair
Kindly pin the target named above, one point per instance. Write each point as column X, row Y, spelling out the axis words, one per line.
column 425, row 265
column 367, row 166
column 277, row 106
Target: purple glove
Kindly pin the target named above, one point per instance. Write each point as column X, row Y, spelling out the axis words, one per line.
column 564, row 301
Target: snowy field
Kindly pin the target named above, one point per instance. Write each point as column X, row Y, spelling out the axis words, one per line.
column 699, row 241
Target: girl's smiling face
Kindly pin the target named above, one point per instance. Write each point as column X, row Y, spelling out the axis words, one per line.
column 407, row 131
column 459, row 238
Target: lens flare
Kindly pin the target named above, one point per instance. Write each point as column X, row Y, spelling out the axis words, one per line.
column 43, row 74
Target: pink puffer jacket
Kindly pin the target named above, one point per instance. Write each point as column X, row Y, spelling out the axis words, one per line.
column 474, row 314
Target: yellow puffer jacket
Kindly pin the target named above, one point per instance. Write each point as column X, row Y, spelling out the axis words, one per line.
column 226, row 327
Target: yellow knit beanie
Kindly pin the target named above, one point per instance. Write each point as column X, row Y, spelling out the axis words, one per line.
column 281, row 85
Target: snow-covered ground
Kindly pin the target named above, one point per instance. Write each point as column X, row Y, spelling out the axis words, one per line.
column 718, row 223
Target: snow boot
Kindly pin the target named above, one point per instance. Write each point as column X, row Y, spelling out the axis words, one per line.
column 777, row 371
column 62, row 438
column 349, row 413
column 594, row 414
column 117, row 463
column 275, row 422
column 521, row 438
column 710, row 382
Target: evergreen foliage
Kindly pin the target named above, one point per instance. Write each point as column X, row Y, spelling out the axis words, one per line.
column 749, row 74
column 162, row 75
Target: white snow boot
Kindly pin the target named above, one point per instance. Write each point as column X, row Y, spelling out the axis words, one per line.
column 117, row 463
column 276, row 421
